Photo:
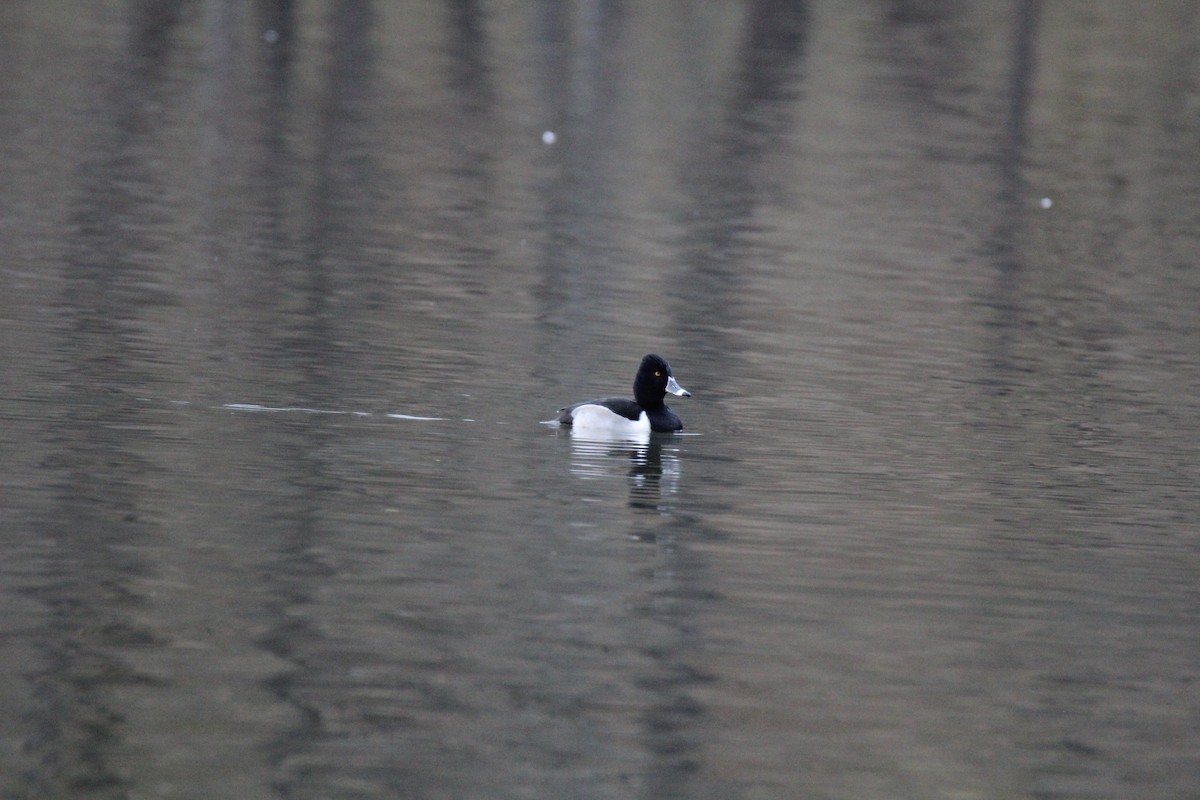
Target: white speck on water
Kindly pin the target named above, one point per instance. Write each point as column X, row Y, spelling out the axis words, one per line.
column 549, row 137
column 1046, row 202
column 270, row 36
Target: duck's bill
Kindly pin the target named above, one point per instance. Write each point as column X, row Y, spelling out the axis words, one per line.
column 675, row 389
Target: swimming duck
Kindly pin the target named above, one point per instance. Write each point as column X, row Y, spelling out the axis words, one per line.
column 644, row 413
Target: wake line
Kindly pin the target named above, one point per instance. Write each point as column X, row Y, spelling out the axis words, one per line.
column 291, row 409
column 259, row 408
column 255, row 407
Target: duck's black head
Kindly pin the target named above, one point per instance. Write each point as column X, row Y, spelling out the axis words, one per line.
column 653, row 381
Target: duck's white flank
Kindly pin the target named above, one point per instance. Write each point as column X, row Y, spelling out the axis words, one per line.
column 596, row 419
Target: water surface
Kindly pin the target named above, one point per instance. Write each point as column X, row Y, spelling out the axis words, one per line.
column 289, row 288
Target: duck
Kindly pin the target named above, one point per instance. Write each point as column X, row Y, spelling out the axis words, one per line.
column 645, row 413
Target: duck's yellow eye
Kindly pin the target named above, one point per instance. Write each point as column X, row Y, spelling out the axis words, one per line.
column 657, row 374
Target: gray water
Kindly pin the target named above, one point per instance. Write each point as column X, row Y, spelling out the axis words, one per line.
column 288, row 288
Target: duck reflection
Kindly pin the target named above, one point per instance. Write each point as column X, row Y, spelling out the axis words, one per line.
column 649, row 461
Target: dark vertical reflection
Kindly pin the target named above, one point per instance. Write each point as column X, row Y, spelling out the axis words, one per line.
column 92, row 532
column 468, row 228
column 296, row 346
column 581, row 55
column 580, row 48
column 277, row 29
column 674, row 722
column 468, row 61
column 1000, row 377
column 303, row 346
column 345, row 168
column 1011, row 202
column 582, row 71
column 722, row 185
